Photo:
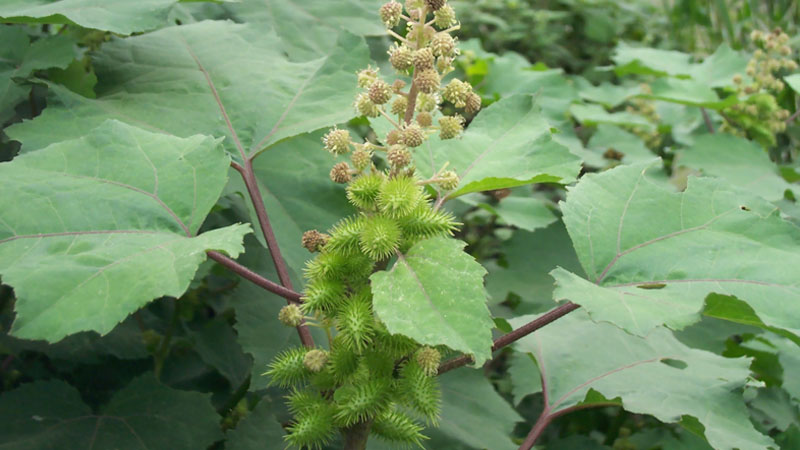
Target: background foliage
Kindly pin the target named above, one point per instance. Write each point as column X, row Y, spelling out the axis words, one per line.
column 688, row 332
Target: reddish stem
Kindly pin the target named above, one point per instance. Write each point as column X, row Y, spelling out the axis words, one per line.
column 255, row 278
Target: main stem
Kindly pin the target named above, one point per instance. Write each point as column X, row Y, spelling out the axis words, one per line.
column 355, row 436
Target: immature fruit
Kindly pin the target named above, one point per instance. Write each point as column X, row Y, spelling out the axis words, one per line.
column 390, row 13
column 379, row 92
column 340, row 173
column 399, row 197
column 337, row 141
column 424, row 119
column 445, row 17
column 401, row 57
column 361, row 159
column 363, row 191
column 393, row 137
column 399, row 105
column 313, row 240
column 412, row 135
column 380, row 237
column 315, row 360
column 450, row 126
column 365, row 106
column 428, row 81
column 448, row 180
column 423, row 59
column 398, row 156
column 428, row 359
column 443, row 44
column 290, row 315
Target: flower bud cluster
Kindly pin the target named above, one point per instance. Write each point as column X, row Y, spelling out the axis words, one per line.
column 757, row 114
column 346, row 384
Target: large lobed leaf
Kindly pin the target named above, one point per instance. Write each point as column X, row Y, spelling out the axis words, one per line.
column 143, row 415
column 508, row 144
column 118, row 16
column 434, row 294
column 653, row 254
column 654, row 375
column 239, row 85
column 94, row 228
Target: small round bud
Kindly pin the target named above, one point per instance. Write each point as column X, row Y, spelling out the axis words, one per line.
column 428, row 81
column 448, row 180
column 366, row 77
column 424, row 119
column 786, row 50
column 450, row 126
column 399, row 105
column 390, row 13
column 737, row 79
column 791, row 65
column 398, row 85
column 379, row 92
column 456, row 92
column 755, row 35
column 398, row 156
column 412, row 135
column 752, row 110
column 427, row 102
column 435, row 5
column 315, row 360
column 444, row 17
column 473, row 103
column 423, row 59
column 401, row 57
column 361, row 159
column 428, row 359
column 290, row 315
column 313, row 240
column 443, row 44
column 758, row 54
column 337, row 141
column 365, row 106
column 393, row 137
column 444, row 64
column 340, row 173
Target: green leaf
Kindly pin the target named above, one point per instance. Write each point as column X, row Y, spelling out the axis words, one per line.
column 595, row 114
column 718, row 69
column 145, row 414
column 242, row 87
column 258, row 430
column 434, row 294
column 217, row 345
column 306, row 26
column 737, row 161
column 525, row 378
column 521, row 211
column 653, row 254
column 650, row 61
column 474, row 413
column 793, row 81
column 118, row 16
column 688, row 92
column 655, row 375
column 607, row 94
column 610, row 137
column 96, row 227
column 508, row 144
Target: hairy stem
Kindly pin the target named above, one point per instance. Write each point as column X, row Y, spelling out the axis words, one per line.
column 707, row 120
column 412, row 102
column 514, row 335
column 355, row 436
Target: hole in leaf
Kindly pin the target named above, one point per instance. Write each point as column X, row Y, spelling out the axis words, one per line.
column 676, row 363
column 744, row 208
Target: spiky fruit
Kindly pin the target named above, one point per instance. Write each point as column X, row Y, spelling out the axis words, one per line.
column 445, row 17
column 361, row 159
column 363, row 191
column 342, row 361
column 448, row 180
column 424, row 119
column 450, row 126
column 366, row 77
column 379, row 92
column 315, row 360
column 365, row 106
column 290, row 315
column 398, row 156
column 443, row 44
column 399, row 106
column 401, row 57
column 362, row 401
column 419, row 390
column 355, row 322
column 412, row 135
column 313, row 240
column 337, row 141
column 399, row 197
column 473, row 103
column 393, row 137
column 435, row 5
column 340, row 173
column 287, row 368
column 398, row 427
column 426, row 223
column 313, row 427
column 423, row 59
column 345, row 234
column 428, row 81
column 390, row 13
column 428, row 359
column 323, row 295
column 380, row 237
column 457, row 92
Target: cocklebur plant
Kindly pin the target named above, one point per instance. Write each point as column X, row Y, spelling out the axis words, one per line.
column 369, row 380
column 758, row 114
